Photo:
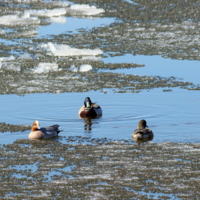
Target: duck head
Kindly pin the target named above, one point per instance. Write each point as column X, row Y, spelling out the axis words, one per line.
column 87, row 102
column 142, row 124
column 35, row 126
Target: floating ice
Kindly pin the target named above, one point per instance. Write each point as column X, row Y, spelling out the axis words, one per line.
column 11, row 66
column 65, row 50
column 26, row 56
column 91, row 58
column 38, row 56
column 86, row 9
column 85, row 68
column 46, row 12
column 59, row 19
column 45, row 67
column 73, row 68
column 62, row 4
column 14, row 20
column 82, row 68
column 10, row 58
column 2, row 31
column 31, row 33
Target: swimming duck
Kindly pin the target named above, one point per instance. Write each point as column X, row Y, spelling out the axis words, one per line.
column 89, row 109
column 142, row 132
column 45, row 132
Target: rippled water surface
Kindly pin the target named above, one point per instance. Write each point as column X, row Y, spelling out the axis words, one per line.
column 137, row 60
column 121, row 113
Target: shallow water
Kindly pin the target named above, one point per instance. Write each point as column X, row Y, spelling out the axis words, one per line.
column 145, row 65
column 187, row 70
column 74, row 25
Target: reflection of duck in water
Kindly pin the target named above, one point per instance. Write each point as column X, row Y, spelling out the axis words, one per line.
column 88, row 124
column 41, row 133
column 142, row 134
column 90, row 110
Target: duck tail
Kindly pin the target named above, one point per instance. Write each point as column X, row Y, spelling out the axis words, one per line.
column 58, row 131
column 55, row 127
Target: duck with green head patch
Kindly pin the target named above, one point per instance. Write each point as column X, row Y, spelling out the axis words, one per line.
column 89, row 109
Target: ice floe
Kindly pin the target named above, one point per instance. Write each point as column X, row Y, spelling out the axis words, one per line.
column 15, row 20
column 11, row 66
column 10, row 58
column 85, row 10
column 66, row 50
column 2, row 31
column 25, row 56
column 45, row 67
column 73, row 68
column 59, row 19
column 82, row 68
column 85, row 68
column 46, row 12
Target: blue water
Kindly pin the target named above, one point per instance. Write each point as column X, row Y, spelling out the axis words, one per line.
column 73, row 25
column 173, row 116
column 186, row 70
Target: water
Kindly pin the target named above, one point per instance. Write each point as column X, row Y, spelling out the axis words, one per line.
column 171, row 115
column 121, row 113
column 97, row 159
column 186, row 70
column 73, row 25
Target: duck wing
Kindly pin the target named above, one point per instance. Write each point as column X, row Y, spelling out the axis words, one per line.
column 51, row 129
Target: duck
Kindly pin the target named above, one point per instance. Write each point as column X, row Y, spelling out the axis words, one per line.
column 89, row 109
column 142, row 132
column 44, row 132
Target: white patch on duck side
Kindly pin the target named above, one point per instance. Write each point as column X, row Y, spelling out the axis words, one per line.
column 87, row 104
